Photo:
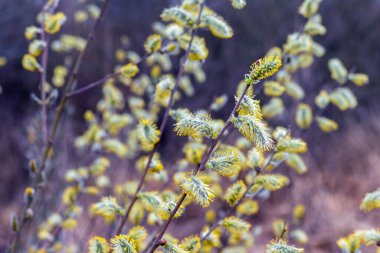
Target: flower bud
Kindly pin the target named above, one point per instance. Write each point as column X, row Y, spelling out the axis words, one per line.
column 15, row 224
column 30, row 63
column 33, row 166
column 29, row 194
column 129, row 70
column 263, row 68
column 29, row 214
column 359, row 79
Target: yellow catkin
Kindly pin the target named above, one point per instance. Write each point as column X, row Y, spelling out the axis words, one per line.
column 263, row 68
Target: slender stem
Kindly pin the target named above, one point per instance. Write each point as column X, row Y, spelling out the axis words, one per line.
column 229, row 212
column 232, row 210
column 101, row 81
column 93, row 84
column 284, row 229
column 44, row 63
column 164, row 120
column 166, row 225
column 220, row 135
column 213, row 227
column 58, row 230
column 134, row 198
column 37, row 184
column 209, row 108
column 152, row 240
column 201, row 167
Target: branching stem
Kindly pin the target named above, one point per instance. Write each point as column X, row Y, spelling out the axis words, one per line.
column 38, row 182
column 201, row 167
column 164, row 120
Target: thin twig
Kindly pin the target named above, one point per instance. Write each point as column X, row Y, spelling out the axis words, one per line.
column 59, row 229
column 166, row 225
column 284, row 229
column 101, row 81
column 44, row 63
column 232, row 210
column 164, row 120
column 93, row 84
column 221, row 133
column 229, row 212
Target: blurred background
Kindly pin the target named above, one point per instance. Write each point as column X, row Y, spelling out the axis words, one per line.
column 343, row 166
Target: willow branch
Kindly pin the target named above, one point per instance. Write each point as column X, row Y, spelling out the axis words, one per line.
column 233, row 209
column 221, row 133
column 49, row 144
column 201, row 167
column 72, row 79
column 164, row 120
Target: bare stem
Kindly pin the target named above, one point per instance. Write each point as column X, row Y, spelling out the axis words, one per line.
column 284, row 229
column 93, row 84
column 101, row 81
column 164, row 120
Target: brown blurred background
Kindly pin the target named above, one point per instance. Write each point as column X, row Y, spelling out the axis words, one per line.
column 343, row 165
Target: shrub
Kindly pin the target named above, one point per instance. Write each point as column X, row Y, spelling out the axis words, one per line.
column 213, row 170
